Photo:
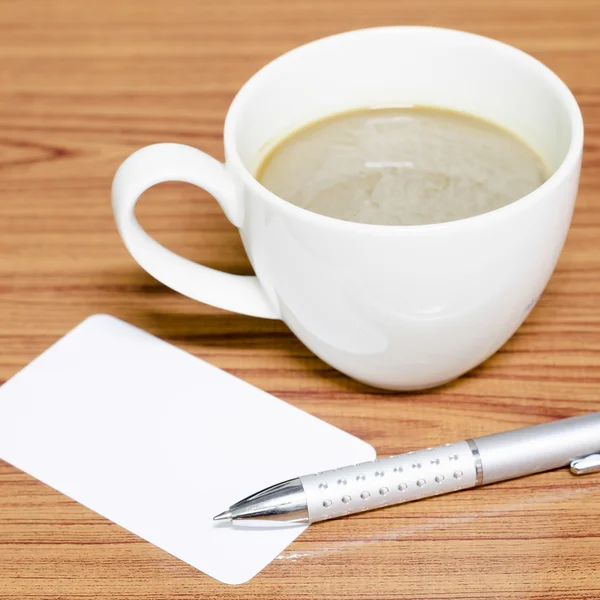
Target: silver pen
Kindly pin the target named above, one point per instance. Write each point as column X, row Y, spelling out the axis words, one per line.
column 425, row 473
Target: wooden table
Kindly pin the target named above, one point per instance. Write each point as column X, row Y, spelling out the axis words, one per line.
column 83, row 84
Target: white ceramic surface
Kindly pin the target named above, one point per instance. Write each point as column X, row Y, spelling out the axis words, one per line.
column 395, row 307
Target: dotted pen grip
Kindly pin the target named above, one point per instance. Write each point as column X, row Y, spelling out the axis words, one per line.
column 392, row 480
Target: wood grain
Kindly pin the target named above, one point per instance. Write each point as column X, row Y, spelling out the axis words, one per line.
column 84, row 84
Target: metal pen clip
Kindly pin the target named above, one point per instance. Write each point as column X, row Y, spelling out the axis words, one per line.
column 586, row 465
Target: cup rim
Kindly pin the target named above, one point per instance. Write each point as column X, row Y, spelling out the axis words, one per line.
column 534, row 197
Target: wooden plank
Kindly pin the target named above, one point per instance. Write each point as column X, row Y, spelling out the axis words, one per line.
column 83, row 85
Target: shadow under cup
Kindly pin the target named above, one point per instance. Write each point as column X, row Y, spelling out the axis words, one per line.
column 415, row 306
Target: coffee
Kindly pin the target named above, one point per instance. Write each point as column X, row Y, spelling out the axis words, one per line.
column 401, row 166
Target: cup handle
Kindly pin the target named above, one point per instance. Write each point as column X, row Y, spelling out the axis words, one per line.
column 176, row 162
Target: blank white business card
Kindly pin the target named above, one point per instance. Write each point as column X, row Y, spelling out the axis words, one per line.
column 159, row 442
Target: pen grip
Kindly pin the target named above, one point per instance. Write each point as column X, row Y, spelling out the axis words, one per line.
column 391, row 480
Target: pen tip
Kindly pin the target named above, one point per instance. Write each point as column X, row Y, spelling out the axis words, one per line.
column 224, row 516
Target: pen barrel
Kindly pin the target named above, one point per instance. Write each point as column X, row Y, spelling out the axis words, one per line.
column 539, row 448
column 391, row 480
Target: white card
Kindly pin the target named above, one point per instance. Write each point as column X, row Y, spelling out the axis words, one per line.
column 159, row 442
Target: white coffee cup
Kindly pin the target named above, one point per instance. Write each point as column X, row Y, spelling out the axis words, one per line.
column 399, row 307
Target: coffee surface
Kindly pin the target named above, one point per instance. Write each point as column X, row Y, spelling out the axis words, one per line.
column 401, row 166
